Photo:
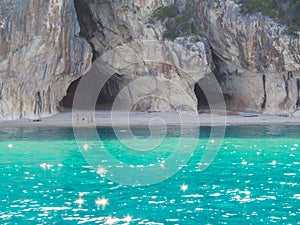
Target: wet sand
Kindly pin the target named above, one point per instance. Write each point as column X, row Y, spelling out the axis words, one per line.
column 107, row 118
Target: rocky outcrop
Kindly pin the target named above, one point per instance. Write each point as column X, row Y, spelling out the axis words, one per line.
column 159, row 75
column 151, row 74
column 106, row 24
column 43, row 49
column 257, row 63
column 41, row 53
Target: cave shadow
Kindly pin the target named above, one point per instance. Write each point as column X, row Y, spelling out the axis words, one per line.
column 112, row 87
column 210, row 96
column 202, row 102
column 105, row 99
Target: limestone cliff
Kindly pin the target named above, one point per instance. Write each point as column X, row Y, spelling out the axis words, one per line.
column 41, row 53
column 43, row 49
column 257, row 62
column 165, row 65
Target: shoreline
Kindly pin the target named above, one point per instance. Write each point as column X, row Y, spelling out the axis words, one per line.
column 121, row 119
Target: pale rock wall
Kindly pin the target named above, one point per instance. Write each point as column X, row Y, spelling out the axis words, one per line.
column 43, row 49
column 40, row 55
column 254, row 57
column 159, row 75
column 157, row 86
column 245, row 49
column 107, row 24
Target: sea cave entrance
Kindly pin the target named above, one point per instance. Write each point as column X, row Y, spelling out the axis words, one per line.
column 105, row 99
column 202, row 102
column 210, row 97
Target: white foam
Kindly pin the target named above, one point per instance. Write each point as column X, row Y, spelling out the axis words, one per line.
column 54, row 208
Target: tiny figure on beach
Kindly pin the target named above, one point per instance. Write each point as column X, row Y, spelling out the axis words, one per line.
column 77, row 117
column 84, row 118
column 91, row 118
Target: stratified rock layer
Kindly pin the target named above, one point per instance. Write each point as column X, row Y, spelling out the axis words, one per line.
column 159, row 75
column 257, row 63
column 42, row 50
column 152, row 74
column 40, row 55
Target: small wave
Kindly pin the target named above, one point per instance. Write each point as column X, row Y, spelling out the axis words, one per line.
column 54, row 208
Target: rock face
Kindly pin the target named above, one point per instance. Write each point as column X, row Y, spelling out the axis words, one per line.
column 159, row 75
column 40, row 55
column 150, row 74
column 106, row 24
column 43, row 49
column 257, row 63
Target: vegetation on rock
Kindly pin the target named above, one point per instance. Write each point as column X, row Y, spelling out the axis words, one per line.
column 178, row 22
column 169, row 11
column 282, row 11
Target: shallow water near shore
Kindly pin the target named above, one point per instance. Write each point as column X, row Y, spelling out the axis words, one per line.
column 254, row 179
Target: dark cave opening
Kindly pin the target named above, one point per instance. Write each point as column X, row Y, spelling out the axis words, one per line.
column 105, row 99
column 88, row 27
column 67, row 101
column 210, row 97
column 202, row 102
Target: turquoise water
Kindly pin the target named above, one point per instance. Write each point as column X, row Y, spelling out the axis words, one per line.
column 254, row 179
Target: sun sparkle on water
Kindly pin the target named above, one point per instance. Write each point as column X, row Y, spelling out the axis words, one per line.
column 128, row 218
column 101, row 171
column 103, row 202
column 184, row 187
column 86, row 147
column 111, row 220
column 79, row 202
column 251, row 181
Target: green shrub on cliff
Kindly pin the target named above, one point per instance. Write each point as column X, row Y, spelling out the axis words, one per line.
column 291, row 31
column 282, row 11
column 165, row 12
column 177, row 22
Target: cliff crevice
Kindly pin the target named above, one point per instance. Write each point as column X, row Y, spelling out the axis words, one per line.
column 46, row 45
column 40, row 55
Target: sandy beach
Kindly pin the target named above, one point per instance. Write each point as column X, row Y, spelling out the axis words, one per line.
column 107, row 118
